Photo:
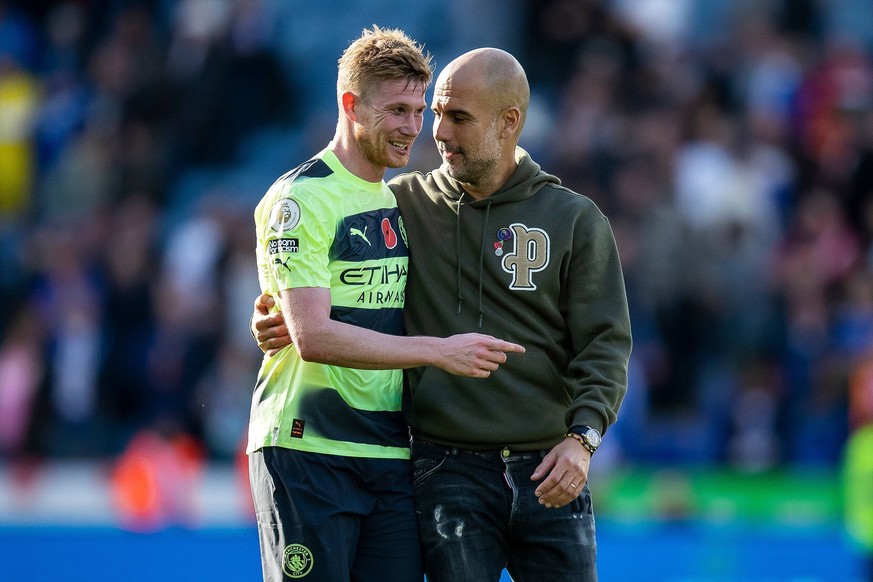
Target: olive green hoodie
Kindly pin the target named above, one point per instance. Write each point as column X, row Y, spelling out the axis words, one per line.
column 535, row 264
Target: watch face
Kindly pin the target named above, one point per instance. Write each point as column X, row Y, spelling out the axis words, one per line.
column 593, row 437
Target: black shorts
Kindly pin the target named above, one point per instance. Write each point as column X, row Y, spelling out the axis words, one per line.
column 331, row 518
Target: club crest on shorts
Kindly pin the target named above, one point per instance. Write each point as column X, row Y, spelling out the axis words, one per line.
column 297, row 561
column 285, row 215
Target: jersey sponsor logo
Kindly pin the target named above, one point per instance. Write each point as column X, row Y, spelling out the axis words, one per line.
column 382, row 298
column 285, row 215
column 530, row 253
column 283, row 245
column 375, row 275
column 297, row 561
column 389, row 234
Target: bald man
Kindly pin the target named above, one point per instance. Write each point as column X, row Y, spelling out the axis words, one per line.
column 498, row 246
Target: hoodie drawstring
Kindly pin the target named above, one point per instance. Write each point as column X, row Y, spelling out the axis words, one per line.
column 482, row 261
column 458, row 250
column 481, row 256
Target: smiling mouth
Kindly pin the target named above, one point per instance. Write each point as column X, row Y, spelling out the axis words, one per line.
column 400, row 145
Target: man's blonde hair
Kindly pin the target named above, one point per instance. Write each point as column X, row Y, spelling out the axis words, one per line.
column 382, row 54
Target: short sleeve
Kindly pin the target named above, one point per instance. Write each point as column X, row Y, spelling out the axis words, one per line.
column 296, row 227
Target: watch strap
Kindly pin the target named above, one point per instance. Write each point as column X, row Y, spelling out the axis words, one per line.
column 580, row 433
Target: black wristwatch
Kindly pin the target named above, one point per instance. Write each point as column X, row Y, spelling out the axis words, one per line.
column 587, row 436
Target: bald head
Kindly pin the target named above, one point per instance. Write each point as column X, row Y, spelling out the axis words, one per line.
column 492, row 73
column 479, row 102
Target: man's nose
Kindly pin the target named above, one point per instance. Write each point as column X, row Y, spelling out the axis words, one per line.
column 412, row 123
column 440, row 130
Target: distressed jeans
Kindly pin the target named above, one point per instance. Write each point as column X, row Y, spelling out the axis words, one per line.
column 477, row 514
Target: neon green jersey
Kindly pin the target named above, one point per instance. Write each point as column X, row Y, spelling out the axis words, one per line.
column 321, row 226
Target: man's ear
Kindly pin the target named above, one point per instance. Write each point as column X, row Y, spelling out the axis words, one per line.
column 511, row 117
column 350, row 102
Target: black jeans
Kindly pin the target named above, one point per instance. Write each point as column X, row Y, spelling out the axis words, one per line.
column 477, row 514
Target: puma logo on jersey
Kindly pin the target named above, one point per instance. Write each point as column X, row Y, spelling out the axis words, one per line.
column 278, row 261
column 357, row 232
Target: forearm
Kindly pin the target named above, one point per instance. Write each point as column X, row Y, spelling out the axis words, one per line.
column 602, row 344
column 340, row 344
column 318, row 338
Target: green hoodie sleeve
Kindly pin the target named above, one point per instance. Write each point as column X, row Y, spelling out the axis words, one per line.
column 597, row 315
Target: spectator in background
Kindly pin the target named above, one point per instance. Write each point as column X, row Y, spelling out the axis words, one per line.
column 19, row 101
column 67, row 292
column 22, row 373
column 215, row 46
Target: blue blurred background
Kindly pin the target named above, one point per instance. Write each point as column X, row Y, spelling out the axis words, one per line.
column 729, row 141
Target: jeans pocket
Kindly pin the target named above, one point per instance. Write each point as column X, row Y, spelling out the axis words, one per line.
column 424, row 467
column 582, row 504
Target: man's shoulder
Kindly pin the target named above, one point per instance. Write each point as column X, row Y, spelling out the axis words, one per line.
column 311, row 172
column 571, row 202
column 413, row 189
column 308, row 185
column 409, row 181
column 313, row 177
column 312, row 168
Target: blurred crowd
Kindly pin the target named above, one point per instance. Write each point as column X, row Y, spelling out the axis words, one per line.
column 730, row 143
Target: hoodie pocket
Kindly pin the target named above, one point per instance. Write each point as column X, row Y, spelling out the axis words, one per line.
column 550, row 372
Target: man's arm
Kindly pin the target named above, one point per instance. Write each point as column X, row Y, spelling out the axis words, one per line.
column 600, row 328
column 318, row 338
